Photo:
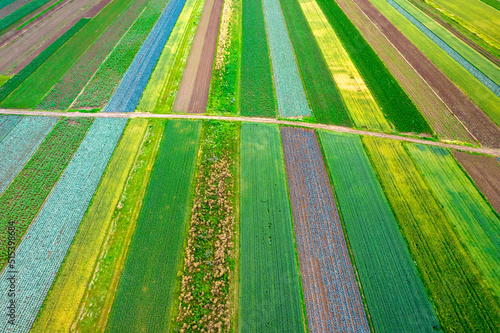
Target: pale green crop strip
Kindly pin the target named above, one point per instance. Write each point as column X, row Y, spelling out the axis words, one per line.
column 166, row 61
column 482, row 96
column 359, row 101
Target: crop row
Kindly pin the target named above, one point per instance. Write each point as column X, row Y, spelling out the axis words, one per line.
column 7, row 123
column 145, row 293
column 21, row 12
column 18, row 146
column 332, row 298
column 290, row 94
column 66, row 90
column 269, row 286
column 39, row 256
column 105, row 81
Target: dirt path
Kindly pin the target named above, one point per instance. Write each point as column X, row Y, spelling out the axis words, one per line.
column 482, row 150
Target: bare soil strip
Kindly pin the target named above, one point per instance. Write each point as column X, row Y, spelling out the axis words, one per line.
column 485, row 172
column 474, row 119
column 483, row 150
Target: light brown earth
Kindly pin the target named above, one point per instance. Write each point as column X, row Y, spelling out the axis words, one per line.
column 485, row 172
column 473, row 118
column 334, row 128
column 16, row 53
column 193, row 91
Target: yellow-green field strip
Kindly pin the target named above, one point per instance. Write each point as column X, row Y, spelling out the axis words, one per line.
column 359, row 101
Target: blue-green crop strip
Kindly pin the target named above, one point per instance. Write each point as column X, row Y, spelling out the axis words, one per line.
column 7, row 123
column 41, row 252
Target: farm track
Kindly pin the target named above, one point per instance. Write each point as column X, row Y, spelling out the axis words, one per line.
column 475, row 120
column 484, row 150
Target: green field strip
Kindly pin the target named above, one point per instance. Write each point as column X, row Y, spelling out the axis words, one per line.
column 391, row 99
column 21, row 12
column 62, row 303
column 24, row 197
column 224, row 92
column 3, row 79
column 323, row 95
column 103, row 84
column 477, row 92
column 7, row 123
column 270, row 291
column 145, row 294
column 256, row 90
column 5, row 3
column 481, row 63
column 34, row 88
column 473, row 219
column 164, row 65
column 462, row 301
column 29, row 69
column 38, row 15
column 394, row 293
column 493, row 3
column 100, row 293
column 74, row 80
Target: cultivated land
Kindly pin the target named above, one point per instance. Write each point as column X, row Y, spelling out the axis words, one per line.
column 246, row 165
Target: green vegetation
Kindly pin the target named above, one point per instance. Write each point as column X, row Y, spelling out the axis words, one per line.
column 325, row 100
column 394, row 293
column 462, row 301
column 395, row 104
column 21, row 12
column 224, row 86
column 19, row 78
column 63, row 301
column 256, row 90
column 38, row 15
column 270, row 290
column 145, row 294
column 3, row 79
column 205, row 300
column 493, row 3
column 34, row 88
column 100, row 293
column 474, row 221
column 24, row 197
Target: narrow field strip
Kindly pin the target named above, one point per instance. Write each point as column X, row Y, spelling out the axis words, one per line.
column 326, row 104
column 130, row 89
column 358, row 99
column 454, row 85
column 34, row 88
column 74, row 80
column 21, row 12
column 332, row 298
column 44, row 247
column 393, row 290
column 192, row 96
column 19, row 144
column 103, row 84
column 26, row 194
column 485, row 173
column 9, row 6
column 165, row 63
column 145, row 294
column 99, row 295
column 7, row 123
column 256, row 90
column 19, row 78
column 437, row 114
column 270, row 290
column 61, row 306
column 463, row 302
column 290, row 94
column 478, row 74
column 473, row 219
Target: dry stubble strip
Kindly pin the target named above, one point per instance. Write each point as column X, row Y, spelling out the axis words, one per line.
column 474, row 119
column 333, row 301
column 193, row 91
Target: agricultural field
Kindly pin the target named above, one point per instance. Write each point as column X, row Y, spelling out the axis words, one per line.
column 250, row 166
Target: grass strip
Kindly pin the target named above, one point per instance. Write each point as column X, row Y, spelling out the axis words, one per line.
column 63, row 301
column 145, row 294
column 15, row 81
column 38, row 15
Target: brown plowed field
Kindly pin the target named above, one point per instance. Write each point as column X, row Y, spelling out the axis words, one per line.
column 435, row 111
column 36, row 37
column 331, row 294
column 474, row 119
column 485, row 171
column 193, row 91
